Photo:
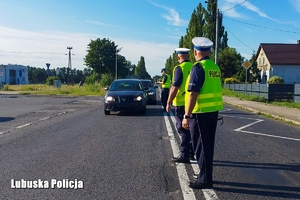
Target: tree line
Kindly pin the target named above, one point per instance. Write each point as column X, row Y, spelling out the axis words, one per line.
column 101, row 60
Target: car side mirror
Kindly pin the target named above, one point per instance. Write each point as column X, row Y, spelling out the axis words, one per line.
column 156, row 86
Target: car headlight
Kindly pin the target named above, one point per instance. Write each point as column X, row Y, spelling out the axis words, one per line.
column 139, row 98
column 110, row 98
column 150, row 93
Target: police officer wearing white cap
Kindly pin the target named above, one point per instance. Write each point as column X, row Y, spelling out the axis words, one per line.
column 177, row 97
column 203, row 102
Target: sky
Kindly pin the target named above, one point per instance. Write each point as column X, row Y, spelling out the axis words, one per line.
column 36, row 32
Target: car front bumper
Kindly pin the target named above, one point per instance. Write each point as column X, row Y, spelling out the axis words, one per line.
column 132, row 106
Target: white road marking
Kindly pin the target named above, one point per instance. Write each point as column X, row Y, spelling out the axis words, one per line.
column 22, row 126
column 257, row 133
column 45, row 118
column 181, row 170
column 209, row 194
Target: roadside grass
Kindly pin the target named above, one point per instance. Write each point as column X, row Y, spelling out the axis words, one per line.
column 248, row 97
column 42, row 89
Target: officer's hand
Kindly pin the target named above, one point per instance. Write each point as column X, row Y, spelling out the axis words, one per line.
column 168, row 108
column 185, row 124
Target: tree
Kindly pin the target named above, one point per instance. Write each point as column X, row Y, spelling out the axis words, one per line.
column 140, row 69
column 169, row 65
column 106, row 80
column 122, row 66
column 210, row 28
column 230, row 62
column 195, row 29
column 37, row 75
column 254, row 71
column 101, row 56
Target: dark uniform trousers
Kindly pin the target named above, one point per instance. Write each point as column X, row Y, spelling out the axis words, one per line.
column 203, row 130
column 164, row 96
column 186, row 149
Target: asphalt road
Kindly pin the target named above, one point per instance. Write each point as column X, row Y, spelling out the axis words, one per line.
column 69, row 140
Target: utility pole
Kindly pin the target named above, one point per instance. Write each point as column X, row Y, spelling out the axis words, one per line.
column 217, row 34
column 116, row 70
column 70, row 66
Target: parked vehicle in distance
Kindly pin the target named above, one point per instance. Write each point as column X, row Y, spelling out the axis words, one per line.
column 151, row 92
column 125, row 95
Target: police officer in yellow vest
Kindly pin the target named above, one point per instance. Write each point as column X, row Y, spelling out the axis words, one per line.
column 203, row 102
column 165, row 84
column 176, row 96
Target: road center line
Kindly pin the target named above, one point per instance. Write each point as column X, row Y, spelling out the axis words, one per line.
column 22, row 126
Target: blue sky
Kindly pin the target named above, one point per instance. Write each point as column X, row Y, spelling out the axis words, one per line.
column 36, row 32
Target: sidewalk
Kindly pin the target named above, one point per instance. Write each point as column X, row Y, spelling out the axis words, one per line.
column 8, row 92
column 278, row 112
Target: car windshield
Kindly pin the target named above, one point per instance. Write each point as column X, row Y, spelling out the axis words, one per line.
column 147, row 84
column 125, row 86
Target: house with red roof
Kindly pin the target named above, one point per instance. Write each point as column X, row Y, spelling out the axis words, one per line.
column 281, row 60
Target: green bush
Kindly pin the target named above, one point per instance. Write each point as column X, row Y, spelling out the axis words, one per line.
column 231, row 80
column 93, row 78
column 106, row 80
column 50, row 80
column 6, row 88
column 276, row 80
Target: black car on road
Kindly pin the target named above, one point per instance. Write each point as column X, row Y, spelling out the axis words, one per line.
column 125, row 95
column 151, row 92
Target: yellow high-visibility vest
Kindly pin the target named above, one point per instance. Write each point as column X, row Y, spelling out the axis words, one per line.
column 210, row 95
column 186, row 67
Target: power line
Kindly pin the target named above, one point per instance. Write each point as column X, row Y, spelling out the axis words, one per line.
column 274, row 29
column 15, row 39
column 239, row 39
column 234, row 6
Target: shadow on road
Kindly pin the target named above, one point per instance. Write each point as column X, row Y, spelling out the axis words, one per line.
column 6, row 119
column 265, row 189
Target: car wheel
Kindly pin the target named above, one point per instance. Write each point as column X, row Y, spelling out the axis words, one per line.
column 106, row 112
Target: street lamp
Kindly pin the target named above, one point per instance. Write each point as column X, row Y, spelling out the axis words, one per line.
column 117, row 51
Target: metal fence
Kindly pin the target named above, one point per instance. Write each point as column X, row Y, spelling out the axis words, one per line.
column 270, row 92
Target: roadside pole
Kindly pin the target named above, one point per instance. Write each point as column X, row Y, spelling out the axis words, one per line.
column 246, row 65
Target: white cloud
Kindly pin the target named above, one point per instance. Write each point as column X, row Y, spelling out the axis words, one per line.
column 172, row 17
column 38, row 48
column 100, row 23
column 296, row 4
column 232, row 12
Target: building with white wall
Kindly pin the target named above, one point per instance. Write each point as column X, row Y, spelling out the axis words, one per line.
column 13, row 74
column 281, row 60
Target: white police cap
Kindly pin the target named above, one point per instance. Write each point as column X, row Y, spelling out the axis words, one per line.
column 182, row 50
column 202, row 43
